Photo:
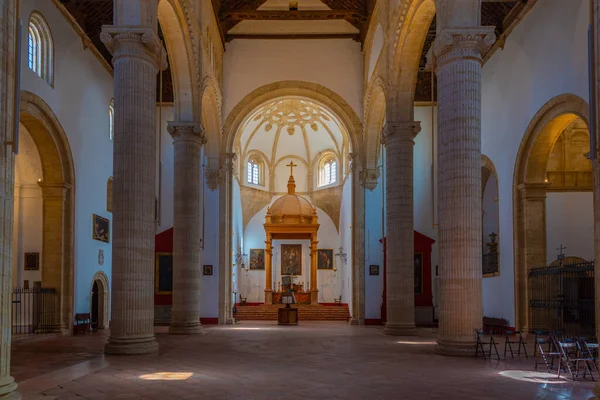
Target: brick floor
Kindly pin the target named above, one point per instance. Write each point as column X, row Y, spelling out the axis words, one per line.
column 260, row 360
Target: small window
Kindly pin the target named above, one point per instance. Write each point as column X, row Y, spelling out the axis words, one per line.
column 327, row 171
column 40, row 52
column 253, row 172
column 111, row 119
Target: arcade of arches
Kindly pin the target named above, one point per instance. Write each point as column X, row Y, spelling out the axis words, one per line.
column 174, row 169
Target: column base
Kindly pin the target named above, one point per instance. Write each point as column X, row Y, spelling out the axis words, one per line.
column 131, row 345
column 456, row 348
column 186, row 329
column 8, row 389
column 399, row 330
column 268, row 296
column 357, row 321
column 314, row 296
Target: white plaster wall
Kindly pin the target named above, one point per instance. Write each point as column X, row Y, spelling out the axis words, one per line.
column 570, row 223
column 80, row 98
column 252, row 283
column 28, row 232
column 373, row 250
column 165, row 164
column 336, row 64
column 238, row 236
column 209, row 294
column 539, row 62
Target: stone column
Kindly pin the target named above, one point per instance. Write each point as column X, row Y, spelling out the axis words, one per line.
column 269, row 270
column 458, row 53
column 225, row 239
column 8, row 38
column 357, row 257
column 136, row 62
column 188, row 139
column 400, row 302
column 314, row 259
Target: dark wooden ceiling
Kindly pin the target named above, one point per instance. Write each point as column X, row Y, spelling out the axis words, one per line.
column 92, row 14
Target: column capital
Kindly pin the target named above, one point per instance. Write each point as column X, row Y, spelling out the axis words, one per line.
column 187, row 132
column 229, row 161
column 533, row 191
column 54, row 190
column 472, row 42
column 134, row 41
column 400, row 131
column 370, row 177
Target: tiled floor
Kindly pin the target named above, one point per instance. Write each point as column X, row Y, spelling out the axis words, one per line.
column 264, row 361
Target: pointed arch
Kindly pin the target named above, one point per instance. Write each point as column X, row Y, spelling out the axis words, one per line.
column 375, row 116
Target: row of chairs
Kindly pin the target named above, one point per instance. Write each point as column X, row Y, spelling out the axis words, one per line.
column 571, row 353
column 486, row 342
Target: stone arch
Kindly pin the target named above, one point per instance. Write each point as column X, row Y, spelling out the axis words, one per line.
column 487, row 170
column 412, row 22
column 179, row 46
column 211, row 118
column 529, row 191
column 103, row 298
column 232, row 126
column 58, row 191
column 375, row 114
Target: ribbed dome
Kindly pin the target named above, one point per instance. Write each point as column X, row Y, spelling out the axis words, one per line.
column 291, row 208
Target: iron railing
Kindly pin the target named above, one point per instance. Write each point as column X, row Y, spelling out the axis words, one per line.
column 34, row 311
column 561, row 297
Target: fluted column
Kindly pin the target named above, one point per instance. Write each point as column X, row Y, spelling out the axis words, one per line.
column 188, row 139
column 136, row 62
column 269, row 270
column 8, row 24
column 458, row 54
column 400, row 302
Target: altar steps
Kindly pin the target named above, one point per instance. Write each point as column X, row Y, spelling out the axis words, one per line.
column 265, row 312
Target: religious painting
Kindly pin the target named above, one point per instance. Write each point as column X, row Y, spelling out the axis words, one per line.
column 325, row 259
column 373, row 269
column 257, row 259
column 291, row 259
column 100, row 228
column 32, row 262
column 207, row 270
column 163, row 276
column 418, row 273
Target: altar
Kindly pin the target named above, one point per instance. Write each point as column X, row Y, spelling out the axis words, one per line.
column 291, row 217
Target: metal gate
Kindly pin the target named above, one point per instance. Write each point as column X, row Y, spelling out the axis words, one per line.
column 561, row 298
column 34, row 311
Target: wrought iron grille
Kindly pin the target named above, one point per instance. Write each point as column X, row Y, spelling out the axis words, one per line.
column 34, row 311
column 561, row 297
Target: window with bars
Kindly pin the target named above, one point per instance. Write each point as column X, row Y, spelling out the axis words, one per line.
column 40, row 50
column 328, row 171
column 253, row 172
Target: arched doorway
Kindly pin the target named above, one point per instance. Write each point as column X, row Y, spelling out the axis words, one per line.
column 234, row 157
column 532, row 182
column 57, row 185
column 99, row 301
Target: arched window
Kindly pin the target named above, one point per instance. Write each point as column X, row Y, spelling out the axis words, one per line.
column 40, row 50
column 327, row 171
column 253, row 171
column 111, row 119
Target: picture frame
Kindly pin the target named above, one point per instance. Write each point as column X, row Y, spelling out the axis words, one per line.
column 257, row 259
column 418, row 263
column 325, row 259
column 100, row 228
column 207, row 270
column 373, row 269
column 31, row 261
column 163, row 274
column 291, row 259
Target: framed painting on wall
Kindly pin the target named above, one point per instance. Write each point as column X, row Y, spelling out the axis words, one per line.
column 163, row 276
column 291, row 259
column 325, row 259
column 32, row 262
column 373, row 269
column 207, row 270
column 418, row 273
column 257, row 259
column 100, row 228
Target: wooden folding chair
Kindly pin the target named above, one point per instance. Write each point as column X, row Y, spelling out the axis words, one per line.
column 519, row 342
column 483, row 341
